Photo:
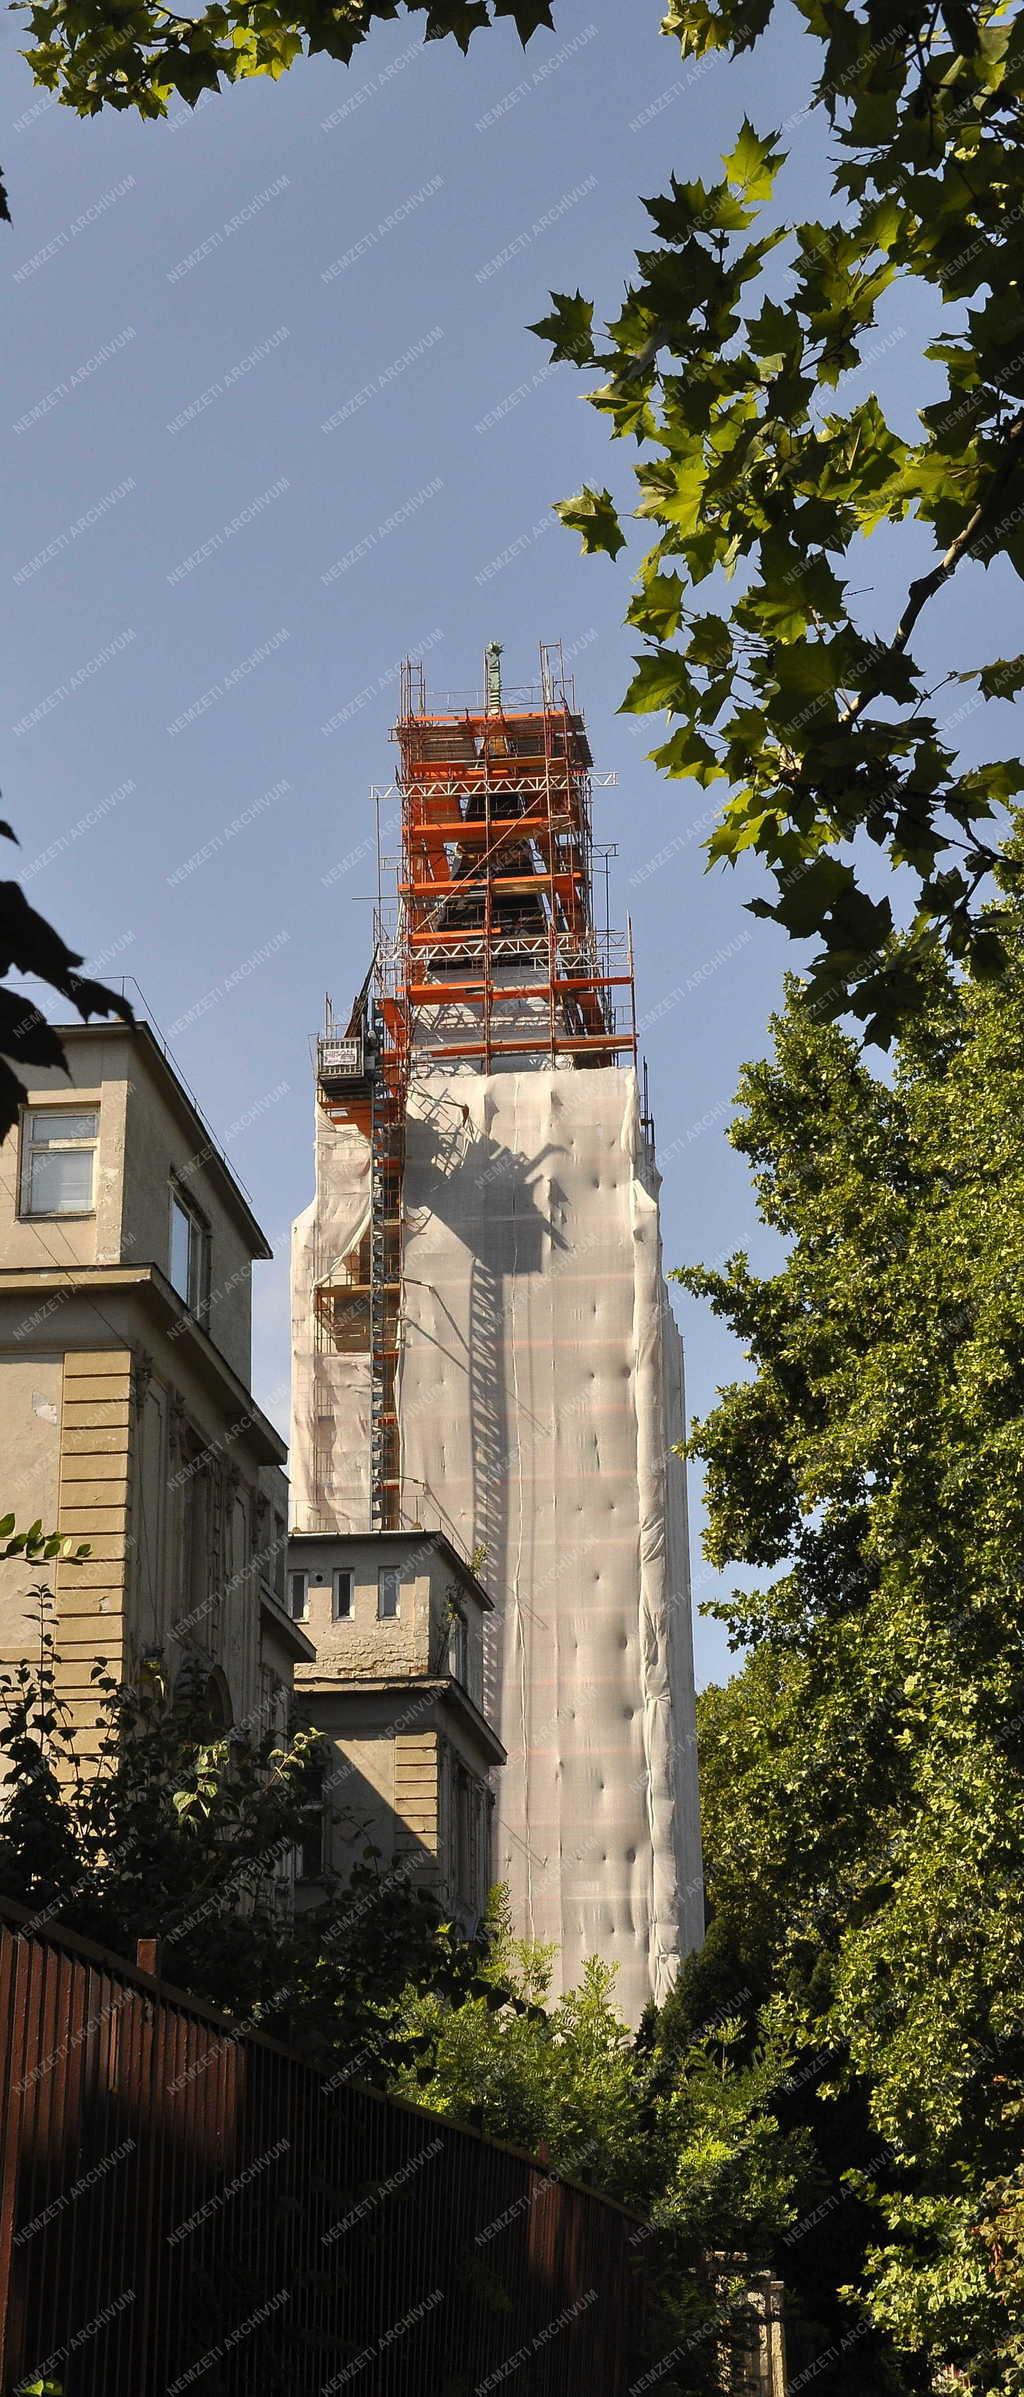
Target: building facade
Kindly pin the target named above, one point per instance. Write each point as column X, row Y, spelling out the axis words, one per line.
column 396, row 1692
column 126, row 1418
column 482, row 1336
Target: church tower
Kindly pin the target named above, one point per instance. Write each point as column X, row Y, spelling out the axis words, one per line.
column 483, row 1342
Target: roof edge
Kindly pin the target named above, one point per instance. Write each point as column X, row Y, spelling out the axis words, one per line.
column 211, row 1153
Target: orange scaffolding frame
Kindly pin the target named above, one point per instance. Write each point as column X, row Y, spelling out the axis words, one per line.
column 492, row 952
column 495, row 875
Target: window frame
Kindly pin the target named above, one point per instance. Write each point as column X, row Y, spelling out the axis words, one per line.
column 30, row 1148
column 458, row 1649
column 197, row 1297
column 311, row 1856
column 389, row 1574
column 298, row 1573
column 342, row 1574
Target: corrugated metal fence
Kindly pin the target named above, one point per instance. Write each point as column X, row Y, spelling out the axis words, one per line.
column 183, row 2207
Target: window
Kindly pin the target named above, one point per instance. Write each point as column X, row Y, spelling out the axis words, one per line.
column 201, row 1572
column 458, row 1650
column 298, row 1596
column 341, row 1603
column 58, row 1150
column 311, row 1853
column 387, row 1593
column 190, row 1255
column 279, row 1558
column 314, row 1825
column 217, row 1707
column 463, row 1836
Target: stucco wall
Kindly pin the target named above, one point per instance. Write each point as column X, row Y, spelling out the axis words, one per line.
column 159, row 1148
column 360, row 1799
column 146, row 1138
column 98, row 1441
column 30, row 1402
column 119, row 1424
column 92, row 1239
column 364, row 1645
column 95, row 1505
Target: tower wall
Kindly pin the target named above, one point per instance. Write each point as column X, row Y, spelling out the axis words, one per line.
column 539, row 1398
column 482, row 1335
column 329, row 1460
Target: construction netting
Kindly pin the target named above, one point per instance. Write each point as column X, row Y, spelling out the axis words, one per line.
column 539, row 1399
column 330, row 1436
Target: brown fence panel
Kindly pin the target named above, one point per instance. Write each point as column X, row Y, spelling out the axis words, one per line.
column 184, row 2208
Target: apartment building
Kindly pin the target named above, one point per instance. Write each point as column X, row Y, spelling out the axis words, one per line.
column 126, row 1418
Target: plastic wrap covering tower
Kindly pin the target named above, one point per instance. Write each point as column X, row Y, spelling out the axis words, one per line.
column 482, row 1335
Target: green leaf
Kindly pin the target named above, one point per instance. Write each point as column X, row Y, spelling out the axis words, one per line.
column 1001, row 680
column 773, row 331
column 660, row 681
column 808, row 676
column 962, row 26
column 568, row 327
column 808, row 893
column 752, row 166
column 690, row 208
column 592, row 514
column 688, row 755
column 527, row 16
column 462, row 18
column 657, row 609
column 709, row 643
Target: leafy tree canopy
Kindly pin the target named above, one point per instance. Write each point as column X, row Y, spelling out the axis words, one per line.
column 159, row 1827
column 29, row 945
column 797, row 692
column 684, row 2129
column 102, row 54
column 864, row 1776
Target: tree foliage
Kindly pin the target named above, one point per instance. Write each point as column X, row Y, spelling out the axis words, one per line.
column 160, row 1827
column 29, row 945
column 865, row 1774
column 683, row 2128
column 798, row 692
column 37, row 1546
column 104, row 54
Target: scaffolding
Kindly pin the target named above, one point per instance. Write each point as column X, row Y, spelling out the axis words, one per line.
column 489, row 952
column 492, row 951
column 483, row 1335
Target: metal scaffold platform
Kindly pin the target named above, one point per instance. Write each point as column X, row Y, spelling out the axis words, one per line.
column 492, row 950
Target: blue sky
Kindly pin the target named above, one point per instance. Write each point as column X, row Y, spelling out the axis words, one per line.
column 274, row 419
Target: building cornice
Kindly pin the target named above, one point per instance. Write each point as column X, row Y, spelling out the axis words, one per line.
column 150, row 1285
column 430, row 1536
column 210, row 1152
column 286, row 1629
column 442, row 1687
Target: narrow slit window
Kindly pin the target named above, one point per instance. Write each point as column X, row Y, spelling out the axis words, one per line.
column 313, row 1843
column 458, row 1650
column 298, row 1596
column 189, row 1271
column 387, row 1593
column 342, row 1594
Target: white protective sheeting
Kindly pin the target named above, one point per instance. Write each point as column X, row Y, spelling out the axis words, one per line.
column 540, row 1395
column 330, row 1435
